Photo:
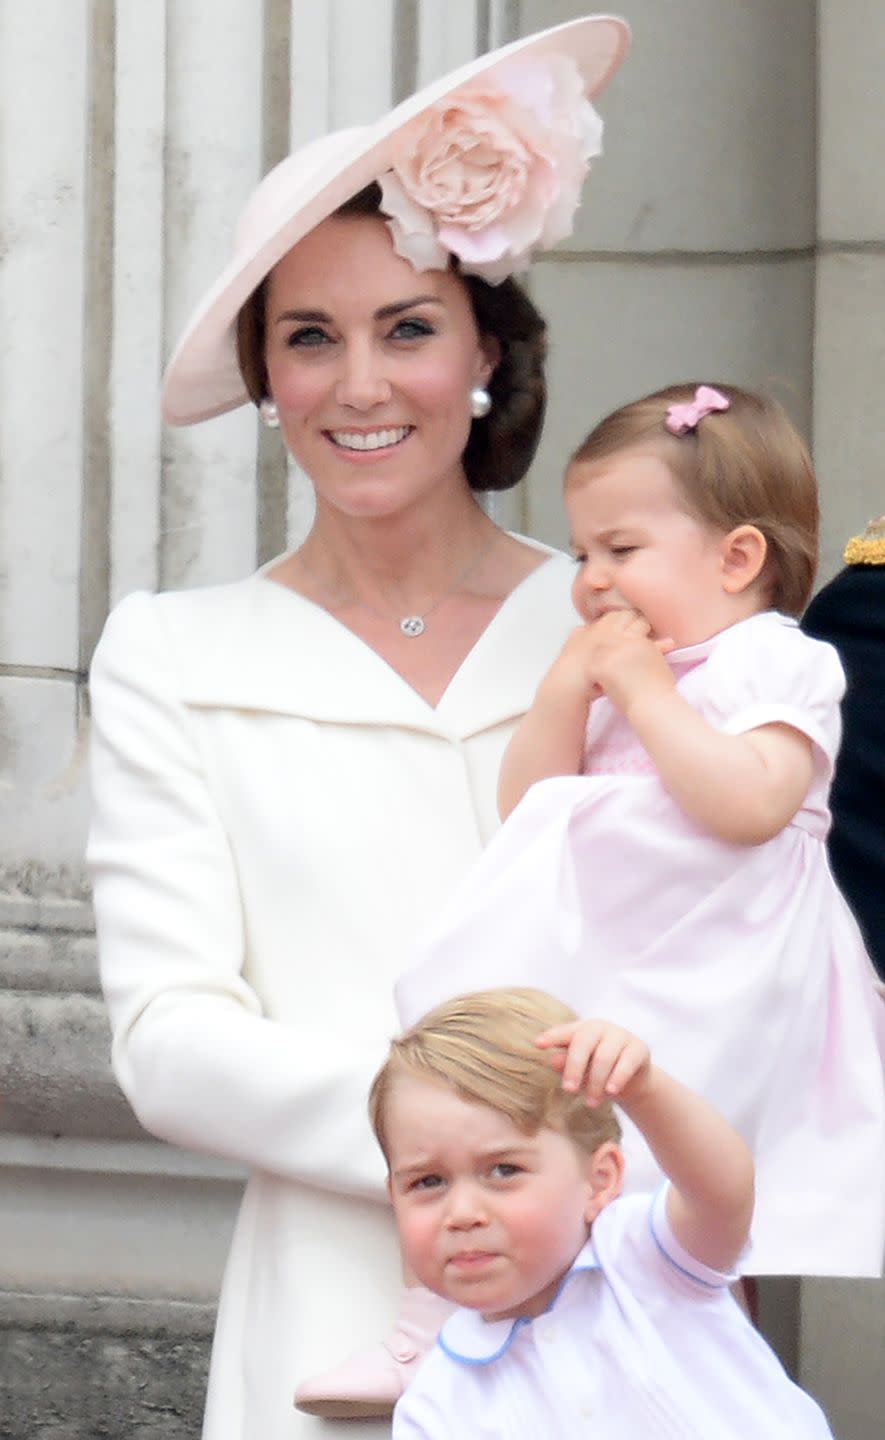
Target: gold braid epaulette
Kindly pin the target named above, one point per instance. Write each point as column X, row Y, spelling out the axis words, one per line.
column 868, row 548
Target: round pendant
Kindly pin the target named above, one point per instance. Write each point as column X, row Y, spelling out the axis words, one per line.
column 412, row 625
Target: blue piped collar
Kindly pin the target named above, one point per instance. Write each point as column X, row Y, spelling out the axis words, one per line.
column 468, row 1338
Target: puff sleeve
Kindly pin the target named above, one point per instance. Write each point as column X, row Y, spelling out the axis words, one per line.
column 199, row 1063
column 767, row 672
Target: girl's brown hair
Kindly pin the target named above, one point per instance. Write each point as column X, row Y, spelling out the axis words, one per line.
column 746, row 465
column 483, row 1047
column 500, row 446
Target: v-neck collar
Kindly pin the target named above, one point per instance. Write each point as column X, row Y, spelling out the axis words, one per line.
column 271, row 649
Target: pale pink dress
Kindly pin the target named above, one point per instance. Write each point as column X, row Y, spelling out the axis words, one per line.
column 740, row 965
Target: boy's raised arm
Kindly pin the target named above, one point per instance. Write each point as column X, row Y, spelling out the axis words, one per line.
column 710, row 1205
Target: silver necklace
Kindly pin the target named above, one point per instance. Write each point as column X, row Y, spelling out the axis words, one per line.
column 410, row 625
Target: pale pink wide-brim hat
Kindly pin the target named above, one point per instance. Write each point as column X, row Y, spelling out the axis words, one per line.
column 203, row 377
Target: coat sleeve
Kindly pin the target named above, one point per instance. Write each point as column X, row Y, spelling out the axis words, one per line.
column 199, row 1063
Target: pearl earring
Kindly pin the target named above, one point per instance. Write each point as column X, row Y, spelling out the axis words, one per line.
column 269, row 414
column 480, row 402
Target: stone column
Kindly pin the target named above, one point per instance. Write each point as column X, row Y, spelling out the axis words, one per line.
column 694, row 252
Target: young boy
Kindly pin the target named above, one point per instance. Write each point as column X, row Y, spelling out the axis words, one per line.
column 579, row 1312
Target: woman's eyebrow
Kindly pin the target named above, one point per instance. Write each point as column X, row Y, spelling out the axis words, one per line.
column 319, row 317
column 305, row 317
column 399, row 306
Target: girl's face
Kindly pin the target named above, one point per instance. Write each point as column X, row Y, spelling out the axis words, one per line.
column 488, row 1216
column 639, row 549
column 371, row 366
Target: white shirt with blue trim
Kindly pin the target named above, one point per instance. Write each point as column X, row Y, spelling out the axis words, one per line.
column 642, row 1340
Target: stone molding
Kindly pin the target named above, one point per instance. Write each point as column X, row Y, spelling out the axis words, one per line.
column 55, row 1074
column 73, row 1367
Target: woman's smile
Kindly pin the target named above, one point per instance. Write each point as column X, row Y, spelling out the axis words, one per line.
column 370, row 442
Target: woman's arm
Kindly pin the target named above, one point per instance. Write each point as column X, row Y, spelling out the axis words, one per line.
column 200, row 1064
column 710, row 1205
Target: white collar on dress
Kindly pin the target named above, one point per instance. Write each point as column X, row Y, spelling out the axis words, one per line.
column 703, row 648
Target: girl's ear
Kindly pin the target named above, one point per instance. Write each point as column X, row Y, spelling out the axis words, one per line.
column 605, row 1175
column 743, row 552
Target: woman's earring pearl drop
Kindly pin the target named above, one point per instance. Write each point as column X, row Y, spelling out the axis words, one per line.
column 269, row 414
column 480, row 402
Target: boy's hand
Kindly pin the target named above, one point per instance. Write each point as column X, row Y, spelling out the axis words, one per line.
column 599, row 1058
column 710, row 1202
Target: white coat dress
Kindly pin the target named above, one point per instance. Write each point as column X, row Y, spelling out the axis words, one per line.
column 276, row 816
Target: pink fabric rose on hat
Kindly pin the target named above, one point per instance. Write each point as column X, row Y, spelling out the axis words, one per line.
column 494, row 171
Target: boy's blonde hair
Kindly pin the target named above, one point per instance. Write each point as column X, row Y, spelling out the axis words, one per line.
column 746, row 465
column 483, row 1047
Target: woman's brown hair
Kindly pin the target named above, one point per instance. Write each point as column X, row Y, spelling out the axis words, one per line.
column 746, row 465
column 500, row 446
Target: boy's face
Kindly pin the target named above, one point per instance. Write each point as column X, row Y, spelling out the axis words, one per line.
column 488, row 1216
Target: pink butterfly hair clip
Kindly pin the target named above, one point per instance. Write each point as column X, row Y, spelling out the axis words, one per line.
column 683, row 418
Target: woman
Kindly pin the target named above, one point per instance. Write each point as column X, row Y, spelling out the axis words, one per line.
column 292, row 771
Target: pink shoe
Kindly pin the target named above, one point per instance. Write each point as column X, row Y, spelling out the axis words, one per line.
column 369, row 1383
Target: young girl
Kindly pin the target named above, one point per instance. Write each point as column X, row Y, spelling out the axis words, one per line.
column 579, row 1312
column 663, row 862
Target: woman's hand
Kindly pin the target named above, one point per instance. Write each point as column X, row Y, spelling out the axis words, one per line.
column 599, row 1058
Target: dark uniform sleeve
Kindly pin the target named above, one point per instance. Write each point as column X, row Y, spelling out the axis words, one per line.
column 849, row 612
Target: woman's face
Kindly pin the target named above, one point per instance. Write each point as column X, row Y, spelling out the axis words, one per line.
column 371, row 366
